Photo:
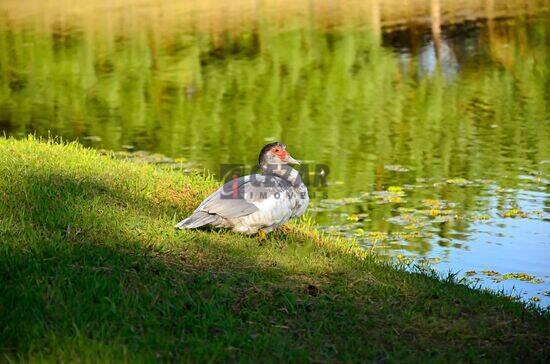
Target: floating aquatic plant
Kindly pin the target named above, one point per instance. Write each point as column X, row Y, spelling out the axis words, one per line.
column 498, row 277
column 431, row 203
column 490, row 273
column 395, row 189
column 458, row 181
column 480, row 217
column 522, row 277
column 354, row 218
column 515, row 212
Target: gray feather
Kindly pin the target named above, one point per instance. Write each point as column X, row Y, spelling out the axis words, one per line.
column 198, row 219
column 228, row 201
column 221, row 206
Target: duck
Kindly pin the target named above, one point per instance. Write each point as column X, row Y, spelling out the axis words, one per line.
column 257, row 203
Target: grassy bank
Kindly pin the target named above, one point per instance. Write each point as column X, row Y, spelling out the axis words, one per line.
column 91, row 268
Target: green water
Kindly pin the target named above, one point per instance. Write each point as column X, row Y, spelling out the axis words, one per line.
column 438, row 154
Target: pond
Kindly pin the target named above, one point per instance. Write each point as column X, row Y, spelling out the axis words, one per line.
column 436, row 141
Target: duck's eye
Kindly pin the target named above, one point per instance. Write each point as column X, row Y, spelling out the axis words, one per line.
column 276, row 150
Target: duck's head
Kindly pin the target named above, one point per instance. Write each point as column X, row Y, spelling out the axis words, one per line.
column 275, row 154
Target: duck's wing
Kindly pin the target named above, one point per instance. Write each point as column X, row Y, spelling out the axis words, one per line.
column 230, row 200
column 226, row 203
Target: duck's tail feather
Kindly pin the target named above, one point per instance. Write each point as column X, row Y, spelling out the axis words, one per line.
column 198, row 219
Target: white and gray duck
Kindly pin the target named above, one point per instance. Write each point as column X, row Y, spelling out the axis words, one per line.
column 257, row 203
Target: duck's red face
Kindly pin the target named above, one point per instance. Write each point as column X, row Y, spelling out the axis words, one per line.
column 280, row 152
column 275, row 153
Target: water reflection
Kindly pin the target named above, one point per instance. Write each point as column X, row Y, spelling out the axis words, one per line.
column 437, row 145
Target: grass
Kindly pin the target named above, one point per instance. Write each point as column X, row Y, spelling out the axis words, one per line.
column 92, row 269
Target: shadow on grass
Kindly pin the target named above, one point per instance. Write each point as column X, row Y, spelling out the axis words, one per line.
column 80, row 259
column 87, row 269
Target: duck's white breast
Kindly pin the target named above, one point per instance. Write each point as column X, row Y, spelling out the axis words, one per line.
column 272, row 211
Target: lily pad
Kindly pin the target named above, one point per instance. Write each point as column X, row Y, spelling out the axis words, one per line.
column 458, row 181
column 490, row 273
column 515, row 212
column 522, row 277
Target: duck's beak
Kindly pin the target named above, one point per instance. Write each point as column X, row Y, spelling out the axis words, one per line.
column 291, row 160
